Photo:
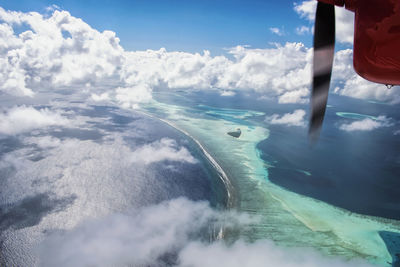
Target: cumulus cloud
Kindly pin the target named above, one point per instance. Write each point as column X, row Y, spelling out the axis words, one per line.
column 306, row 9
column 297, row 96
column 169, row 234
column 60, row 51
column 367, row 124
column 227, row 93
column 344, row 19
column 22, row 119
column 164, row 149
column 273, row 71
column 130, row 97
column 347, row 82
column 296, row 118
column 101, row 97
column 344, row 25
column 43, row 57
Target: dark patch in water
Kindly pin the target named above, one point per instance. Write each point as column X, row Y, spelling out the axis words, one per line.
column 352, row 171
column 9, row 144
column 392, row 242
column 78, row 134
column 30, row 210
column 121, row 120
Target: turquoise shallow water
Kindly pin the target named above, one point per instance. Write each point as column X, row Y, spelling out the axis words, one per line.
column 354, row 116
column 288, row 218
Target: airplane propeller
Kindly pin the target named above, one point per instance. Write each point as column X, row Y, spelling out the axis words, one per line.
column 324, row 46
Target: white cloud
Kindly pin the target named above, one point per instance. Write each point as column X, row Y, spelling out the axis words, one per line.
column 397, row 132
column 261, row 253
column 366, row 124
column 344, row 79
column 272, row 71
column 306, row 9
column 227, row 93
column 43, row 58
column 344, row 19
column 276, row 31
column 46, row 58
column 43, row 141
column 130, row 97
column 61, row 51
column 296, row 118
column 102, row 97
column 344, row 25
column 349, row 83
column 169, row 230
column 298, row 96
column 22, row 119
column 164, row 149
column 302, row 30
column 139, row 239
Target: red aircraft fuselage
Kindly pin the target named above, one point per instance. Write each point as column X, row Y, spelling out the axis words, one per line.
column 376, row 38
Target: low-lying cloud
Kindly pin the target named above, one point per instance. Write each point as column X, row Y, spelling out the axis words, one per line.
column 261, row 253
column 163, row 150
column 169, row 234
column 366, row 124
column 296, row 118
column 143, row 238
column 23, row 118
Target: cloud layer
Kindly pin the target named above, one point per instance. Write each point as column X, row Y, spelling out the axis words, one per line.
column 296, row 118
column 168, row 234
column 61, row 51
column 164, row 149
column 22, row 119
column 344, row 19
column 57, row 51
column 366, row 124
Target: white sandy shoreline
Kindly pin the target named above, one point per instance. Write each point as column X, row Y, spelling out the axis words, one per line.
column 221, row 173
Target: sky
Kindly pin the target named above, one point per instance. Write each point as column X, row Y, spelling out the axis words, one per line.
column 190, row 26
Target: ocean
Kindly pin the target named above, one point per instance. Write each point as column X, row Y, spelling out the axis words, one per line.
column 338, row 196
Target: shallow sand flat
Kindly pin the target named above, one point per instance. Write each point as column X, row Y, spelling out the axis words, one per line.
column 354, row 116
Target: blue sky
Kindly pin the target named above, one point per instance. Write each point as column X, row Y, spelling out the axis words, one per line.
column 190, row 26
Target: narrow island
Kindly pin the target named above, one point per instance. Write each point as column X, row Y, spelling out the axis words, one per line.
column 236, row 133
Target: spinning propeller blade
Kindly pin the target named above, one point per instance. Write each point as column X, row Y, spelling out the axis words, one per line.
column 324, row 45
